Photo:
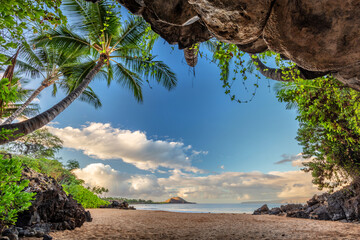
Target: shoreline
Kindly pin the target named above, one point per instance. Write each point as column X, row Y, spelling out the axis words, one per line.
column 158, row 224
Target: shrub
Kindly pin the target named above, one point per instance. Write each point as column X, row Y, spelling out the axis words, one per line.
column 13, row 198
column 84, row 196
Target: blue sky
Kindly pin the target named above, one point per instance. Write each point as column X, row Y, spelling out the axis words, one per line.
column 192, row 141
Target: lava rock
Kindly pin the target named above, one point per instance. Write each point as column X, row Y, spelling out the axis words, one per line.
column 264, row 209
column 319, row 213
column 275, row 211
column 52, row 209
column 297, row 214
column 47, row 237
column 291, row 207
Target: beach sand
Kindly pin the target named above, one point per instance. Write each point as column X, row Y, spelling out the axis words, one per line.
column 142, row 224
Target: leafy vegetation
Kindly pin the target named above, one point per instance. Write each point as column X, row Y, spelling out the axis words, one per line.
column 39, row 144
column 13, row 197
column 70, row 183
column 84, row 196
column 111, row 49
column 329, row 132
column 16, row 16
column 131, row 201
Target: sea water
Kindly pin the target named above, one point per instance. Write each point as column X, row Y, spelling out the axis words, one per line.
column 205, row 207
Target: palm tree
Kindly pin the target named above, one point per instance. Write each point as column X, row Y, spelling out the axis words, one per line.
column 114, row 49
column 21, row 94
column 53, row 66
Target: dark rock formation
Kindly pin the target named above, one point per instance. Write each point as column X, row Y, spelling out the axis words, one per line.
column 264, row 209
column 119, row 205
column 52, row 209
column 51, row 206
column 320, row 36
column 342, row 205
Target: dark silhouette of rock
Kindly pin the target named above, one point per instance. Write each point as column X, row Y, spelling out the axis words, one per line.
column 47, row 237
column 52, row 209
column 291, row 207
column 319, row 36
column 275, row 211
column 118, row 205
column 264, row 209
column 342, row 205
column 51, row 205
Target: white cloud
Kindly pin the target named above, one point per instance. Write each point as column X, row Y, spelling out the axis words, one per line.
column 102, row 141
column 36, row 100
column 224, row 187
column 118, row 183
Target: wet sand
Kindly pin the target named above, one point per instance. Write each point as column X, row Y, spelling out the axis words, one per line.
column 142, row 224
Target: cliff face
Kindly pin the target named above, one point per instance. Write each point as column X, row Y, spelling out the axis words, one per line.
column 320, row 36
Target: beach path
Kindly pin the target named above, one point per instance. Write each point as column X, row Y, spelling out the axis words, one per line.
column 143, row 224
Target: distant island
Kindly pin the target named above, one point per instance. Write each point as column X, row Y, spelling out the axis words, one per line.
column 177, row 200
column 143, row 201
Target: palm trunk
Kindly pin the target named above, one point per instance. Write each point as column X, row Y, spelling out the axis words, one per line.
column 191, row 55
column 9, row 74
column 32, row 124
column 23, row 107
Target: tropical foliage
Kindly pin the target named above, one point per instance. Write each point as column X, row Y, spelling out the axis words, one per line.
column 13, row 198
column 112, row 49
column 53, row 66
column 329, row 132
column 84, row 196
column 15, row 16
column 38, row 144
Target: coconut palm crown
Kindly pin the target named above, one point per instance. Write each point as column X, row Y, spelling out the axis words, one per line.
column 121, row 52
column 98, row 31
column 52, row 66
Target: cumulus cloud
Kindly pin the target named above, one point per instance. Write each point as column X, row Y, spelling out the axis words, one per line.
column 224, row 187
column 102, row 141
column 119, row 183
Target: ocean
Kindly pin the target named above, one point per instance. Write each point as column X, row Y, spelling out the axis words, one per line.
column 205, row 207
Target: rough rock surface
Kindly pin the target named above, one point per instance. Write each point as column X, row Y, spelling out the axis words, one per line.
column 342, row 205
column 320, row 36
column 119, row 205
column 52, row 209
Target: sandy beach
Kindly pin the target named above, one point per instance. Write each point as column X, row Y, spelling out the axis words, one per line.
column 142, row 224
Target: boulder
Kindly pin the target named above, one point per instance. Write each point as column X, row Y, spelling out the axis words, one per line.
column 264, row 209
column 296, row 213
column 275, row 211
column 342, row 205
column 319, row 213
column 52, row 209
column 291, row 207
column 119, row 205
column 335, row 206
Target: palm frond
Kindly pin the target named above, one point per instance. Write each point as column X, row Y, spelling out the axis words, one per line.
column 90, row 97
column 94, row 18
column 128, row 79
column 63, row 38
column 131, row 33
column 156, row 70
